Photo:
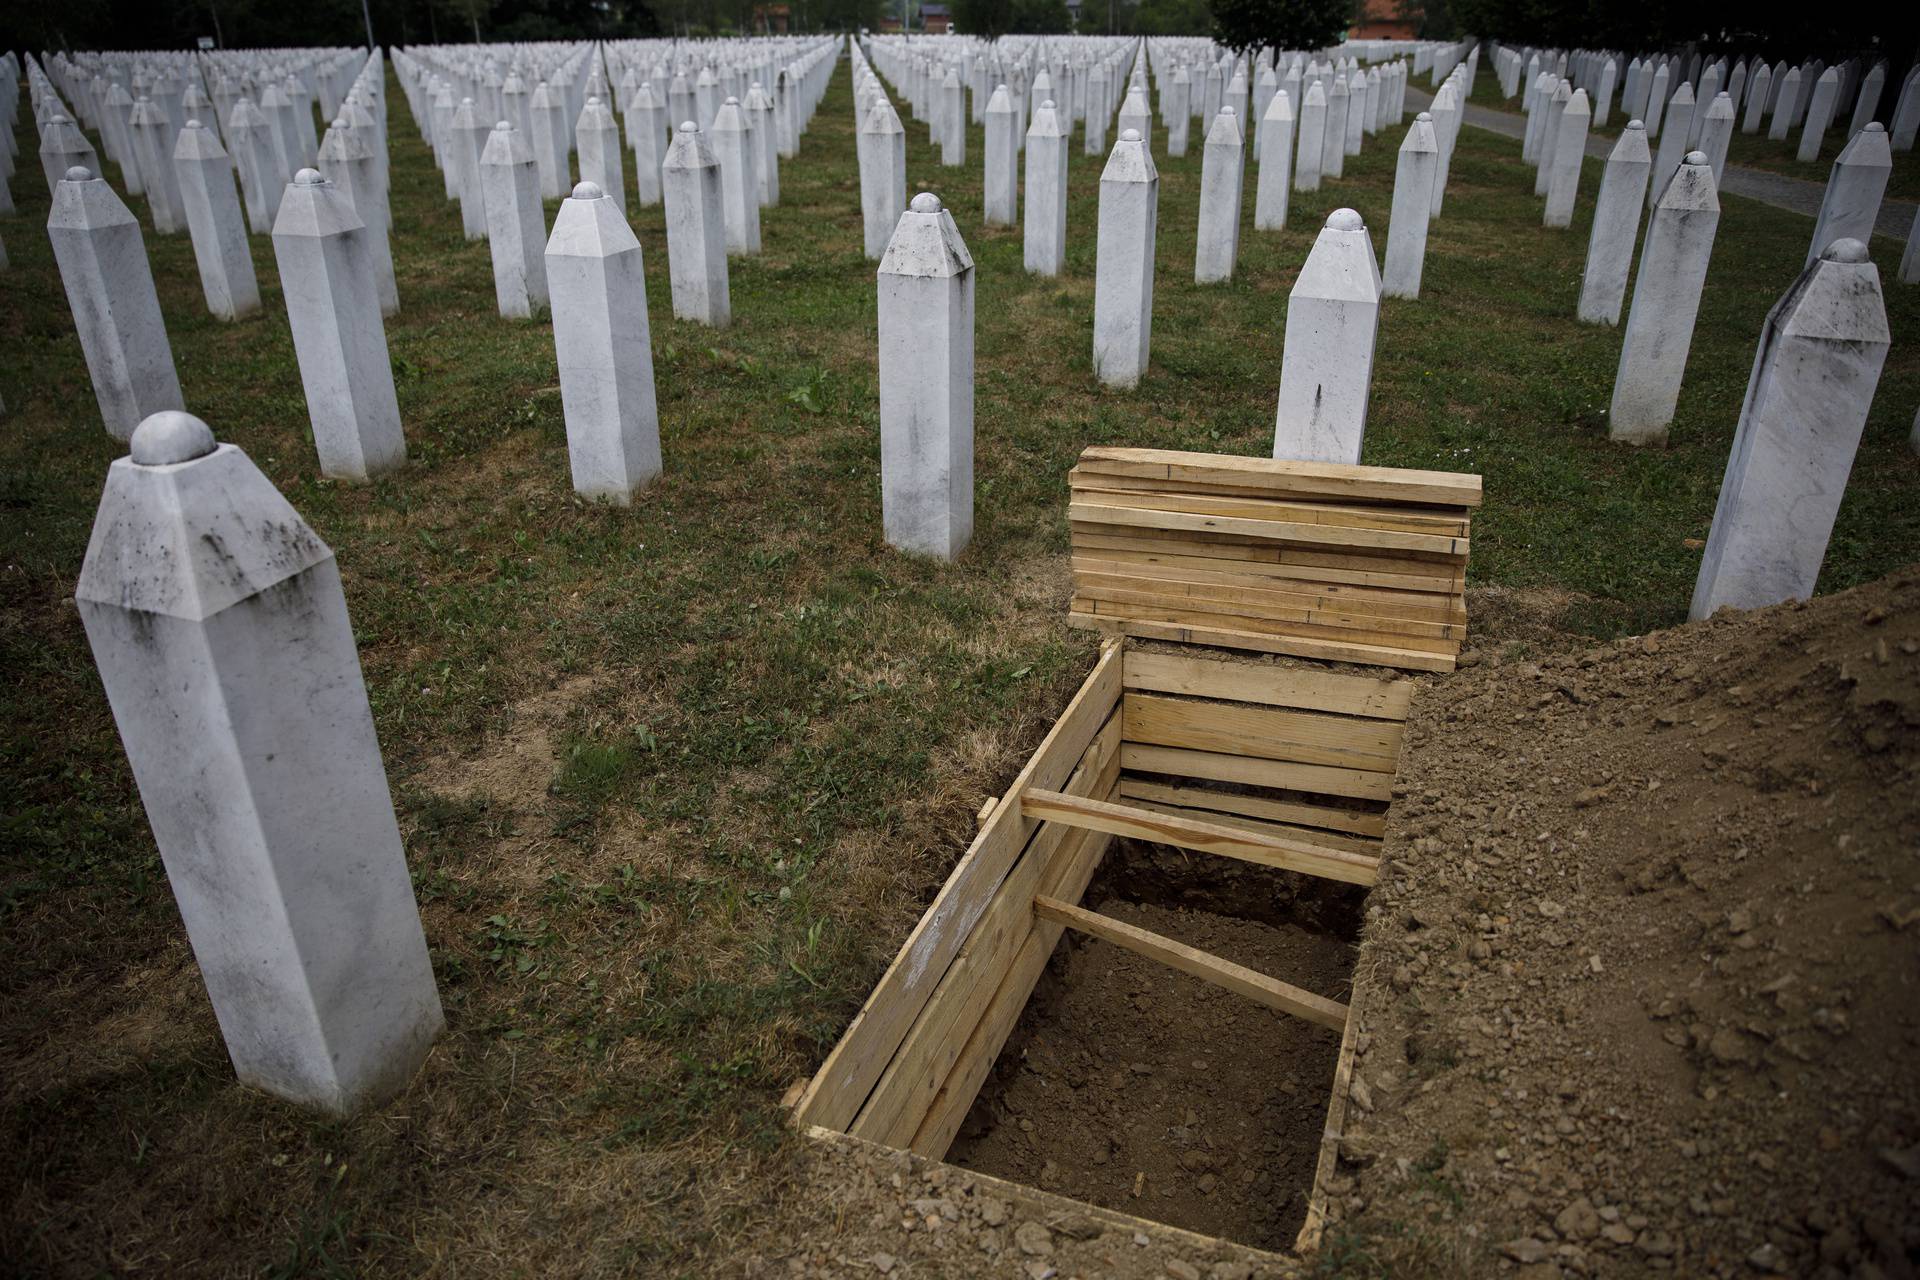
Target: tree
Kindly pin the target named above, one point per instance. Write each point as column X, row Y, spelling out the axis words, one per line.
column 1173, row 18
column 1247, row 25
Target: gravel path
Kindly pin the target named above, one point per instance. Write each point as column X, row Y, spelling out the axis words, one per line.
column 1796, row 195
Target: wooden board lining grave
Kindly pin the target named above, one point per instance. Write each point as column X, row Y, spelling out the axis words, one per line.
column 1316, row 560
column 1138, row 752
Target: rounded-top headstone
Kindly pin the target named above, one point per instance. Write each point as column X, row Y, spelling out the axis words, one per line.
column 1129, row 135
column 466, row 102
column 925, row 202
column 79, row 173
column 1425, row 115
column 1636, row 124
column 1695, row 157
column 1226, row 111
column 193, row 123
column 1047, row 105
column 505, row 126
column 588, row 191
column 308, row 178
column 689, row 127
column 170, row 436
column 593, row 100
column 731, row 101
column 1845, row 249
column 1345, row 220
column 1875, row 127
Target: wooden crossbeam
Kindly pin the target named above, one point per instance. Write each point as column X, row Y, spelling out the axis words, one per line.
column 1202, row 837
column 1258, row 987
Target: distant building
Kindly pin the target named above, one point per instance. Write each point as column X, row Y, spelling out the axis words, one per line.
column 934, row 19
column 771, row 19
column 1386, row 20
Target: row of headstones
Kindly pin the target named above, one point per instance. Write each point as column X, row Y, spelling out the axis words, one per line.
column 335, row 260
column 188, row 177
column 298, row 902
column 1679, row 237
column 1812, row 385
column 172, row 626
column 1322, row 133
column 1811, row 96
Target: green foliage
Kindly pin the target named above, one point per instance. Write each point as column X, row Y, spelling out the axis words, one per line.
column 1172, row 18
column 1041, row 16
column 1792, row 31
column 1247, row 25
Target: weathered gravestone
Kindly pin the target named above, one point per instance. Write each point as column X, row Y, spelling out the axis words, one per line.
column 1820, row 356
column 516, row 223
column 220, row 630
column 1666, row 301
column 1123, row 267
column 926, row 383
column 696, row 235
column 333, row 308
column 1412, row 204
column 1326, row 364
column 1616, row 225
column 116, row 314
column 604, row 348
column 212, row 210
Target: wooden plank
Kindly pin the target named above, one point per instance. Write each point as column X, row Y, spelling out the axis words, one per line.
column 1316, row 1221
column 1403, row 571
column 1439, row 517
column 1268, row 733
column 1102, row 602
column 854, row 1066
column 1260, row 604
column 1258, row 987
column 1332, row 479
column 1293, row 646
column 1317, row 817
column 1433, row 606
column 1249, row 506
column 899, row 1102
column 1269, row 530
column 1202, row 837
column 1281, row 775
column 1311, row 837
column 1268, row 685
column 1066, row 880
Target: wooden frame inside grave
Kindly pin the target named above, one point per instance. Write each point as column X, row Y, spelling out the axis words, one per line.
column 1287, row 767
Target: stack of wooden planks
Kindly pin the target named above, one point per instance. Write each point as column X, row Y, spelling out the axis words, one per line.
column 1315, row 560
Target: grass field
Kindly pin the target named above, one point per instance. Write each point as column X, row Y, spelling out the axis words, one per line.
column 676, row 779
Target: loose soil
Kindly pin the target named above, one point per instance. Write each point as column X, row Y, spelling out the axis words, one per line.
column 1134, row 1086
column 1644, row 964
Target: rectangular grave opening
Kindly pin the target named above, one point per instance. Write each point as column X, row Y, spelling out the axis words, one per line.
column 1206, row 827
column 1132, row 1085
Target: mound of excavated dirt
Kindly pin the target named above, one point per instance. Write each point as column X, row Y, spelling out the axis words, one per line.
column 1643, row 974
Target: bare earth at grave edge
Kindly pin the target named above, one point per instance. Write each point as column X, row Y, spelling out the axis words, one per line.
column 1641, row 983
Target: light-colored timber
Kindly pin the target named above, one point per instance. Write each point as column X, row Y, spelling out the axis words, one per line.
column 1201, row 837
column 1256, row 986
column 1316, row 560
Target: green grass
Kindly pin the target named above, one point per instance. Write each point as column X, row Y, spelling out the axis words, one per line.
column 676, row 779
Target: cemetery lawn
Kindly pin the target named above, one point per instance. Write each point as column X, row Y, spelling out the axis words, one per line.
column 676, row 780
